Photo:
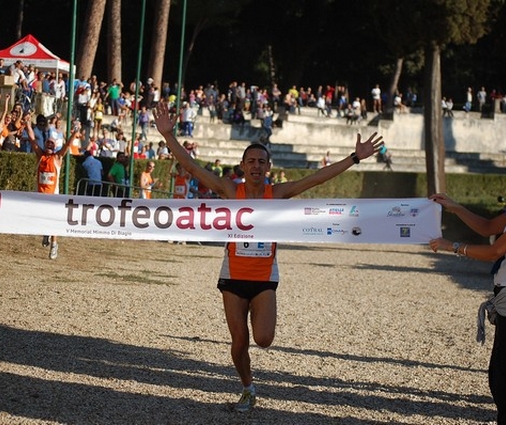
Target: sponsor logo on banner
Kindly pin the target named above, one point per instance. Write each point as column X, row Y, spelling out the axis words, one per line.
column 354, row 211
column 405, row 232
column 396, row 212
column 413, row 212
column 335, row 231
column 312, row 230
column 313, row 211
column 336, row 211
column 356, row 231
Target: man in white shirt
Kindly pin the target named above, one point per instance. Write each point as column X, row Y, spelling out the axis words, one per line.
column 376, row 98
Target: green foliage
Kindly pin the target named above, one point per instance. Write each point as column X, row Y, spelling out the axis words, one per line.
column 17, row 172
column 455, row 21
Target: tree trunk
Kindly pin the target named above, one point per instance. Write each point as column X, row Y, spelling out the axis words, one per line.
column 159, row 42
column 196, row 32
column 433, row 122
column 114, row 64
column 20, row 20
column 388, row 107
column 89, row 40
column 272, row 66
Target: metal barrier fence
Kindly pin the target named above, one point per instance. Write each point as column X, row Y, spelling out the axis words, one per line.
column 114, row 190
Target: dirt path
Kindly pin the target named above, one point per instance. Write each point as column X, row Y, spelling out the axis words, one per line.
column 125, row 332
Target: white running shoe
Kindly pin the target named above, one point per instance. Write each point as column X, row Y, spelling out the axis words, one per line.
column 53, row 252
column 246, row 402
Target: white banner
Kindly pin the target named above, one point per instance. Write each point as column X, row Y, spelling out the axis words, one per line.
column 397, row 221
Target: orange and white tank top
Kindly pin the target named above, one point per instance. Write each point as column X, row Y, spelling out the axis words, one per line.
column 48, row 173
column 250, row 260
column 181, row 187
column 147, row 178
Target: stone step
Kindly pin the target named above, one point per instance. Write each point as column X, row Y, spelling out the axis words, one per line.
column 303, row 140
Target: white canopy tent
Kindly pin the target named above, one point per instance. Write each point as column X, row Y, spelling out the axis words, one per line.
column 31, row 51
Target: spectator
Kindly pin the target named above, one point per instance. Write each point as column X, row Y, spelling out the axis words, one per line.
column 495, row 307
column 398, row 105
column 217, row 168
column 108, row 144
column 326, row 160
column 162, row 151
column 113, row 95
column 41, row 131
column 94, row 174
column 482, row 98
column 8, row 132
column 118, row 176
column 16, row 71
column 191, row 148
column 376, row 99
column 122, row 143
column 267, row 123
column 143, row 121
column 147, row 182
column 188, row 116
column 75, row 146
column 385, row 157
column 56, row 131
column 211, row 107
column 150, row 151
column 469, row 100
column 322, row 109
column 60, row 92
column 98, row 114
column 275, row 96
column 447, row 106
column 93, row 146
column 82, row 97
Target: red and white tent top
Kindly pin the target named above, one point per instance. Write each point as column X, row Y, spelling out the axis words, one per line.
column 30, row 51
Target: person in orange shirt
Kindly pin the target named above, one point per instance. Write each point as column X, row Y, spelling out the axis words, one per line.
column 48, row 172
column 75, row 144
column 181, row 182
column 249, row 274
column 147, row 181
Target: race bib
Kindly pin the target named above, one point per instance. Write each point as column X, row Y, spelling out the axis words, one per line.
column 46, row 178
column 253, row 249
column 180, row 190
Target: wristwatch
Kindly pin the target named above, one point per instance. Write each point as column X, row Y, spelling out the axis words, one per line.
column 456, row 246
column 355, row 158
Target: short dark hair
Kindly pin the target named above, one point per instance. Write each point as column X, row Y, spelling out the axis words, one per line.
column 257, row 146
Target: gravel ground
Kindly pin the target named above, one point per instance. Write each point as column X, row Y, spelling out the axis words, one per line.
column 129, row 332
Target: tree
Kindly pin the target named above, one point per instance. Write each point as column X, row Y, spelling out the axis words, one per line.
column 451, row 21
column 114, row 41
column 159, row 42
column 90, row 37
column 205, row 14
column 20, row 19
column 394, row 21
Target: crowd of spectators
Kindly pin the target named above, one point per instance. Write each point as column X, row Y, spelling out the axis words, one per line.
column 94, row 99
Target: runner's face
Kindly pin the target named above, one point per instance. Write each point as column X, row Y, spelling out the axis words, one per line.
column 255, row 165
column 50, row 145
